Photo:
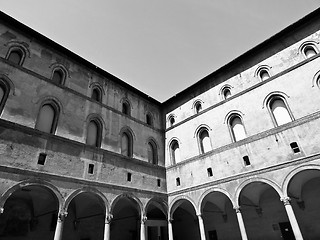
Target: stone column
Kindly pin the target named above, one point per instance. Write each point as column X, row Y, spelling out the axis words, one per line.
column 143, row 228
column 241, row 224
column 292, row 218
column 106, row 235
column 59, row 226
column 201, row 227
column 170, row 230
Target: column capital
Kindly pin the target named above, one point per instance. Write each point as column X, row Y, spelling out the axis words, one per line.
column 144, row 219
column 62, row 215
column 199, row 215
column 108, row 218
column 170, row 220
column 286, row 200
column 237, row 209
column 1, row 210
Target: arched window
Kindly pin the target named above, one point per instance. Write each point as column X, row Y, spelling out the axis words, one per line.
column 171, row 120
column 237, row 128
column 94, row 133
column 264, row 74
column 96, row 94
column 126, row 144
column 204, row 140
column 309, row 51
column 4, row 93
column 16, row 56
column 152, row 153
column 47, row 118
column 197, row 106
column 279, row 110
column 149, row 119
column 175, row 152
column 57, row 76
column 226, row 93
column 126, row 108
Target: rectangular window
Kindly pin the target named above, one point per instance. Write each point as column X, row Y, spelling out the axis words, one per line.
column 90, row 168
column 158, row 182
column 178, row 181
column 209, row 171
column 295, row 148
column 42, row 158
column 129, row 177
column 246, row 161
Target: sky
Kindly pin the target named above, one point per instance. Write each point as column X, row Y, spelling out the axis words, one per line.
column 158, row 46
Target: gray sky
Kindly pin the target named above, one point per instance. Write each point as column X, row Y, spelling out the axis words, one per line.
column 158, row 46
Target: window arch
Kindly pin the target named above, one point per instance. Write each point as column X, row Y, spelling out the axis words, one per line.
column 16, row 55
column 48, row 117
column 279, row 110
column 152, row 152
column 236, row 128
column 175, row 152
column 225, row 92
column 94, row 133
column 126, row 109
column 126, row 144
column 309, row 49
column 149, row 119
column 171, row 120
column 96, row 94
column 197, row 106
column 4, row 93
column 58, row 76
column 204, row 140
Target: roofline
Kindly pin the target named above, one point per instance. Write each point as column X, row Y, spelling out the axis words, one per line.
column 43, row 39
column 248, row 53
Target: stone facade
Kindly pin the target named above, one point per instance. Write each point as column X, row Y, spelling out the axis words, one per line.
column 83, row 155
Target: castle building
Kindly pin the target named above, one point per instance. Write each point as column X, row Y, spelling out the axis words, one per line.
column 85, row 156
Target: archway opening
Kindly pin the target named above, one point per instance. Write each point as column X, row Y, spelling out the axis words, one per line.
column 156, row 224
column 263, row 213
column 126, row 220
column 219, row 217
column 30, row 213
column 304, row 192
column 86, row 218
column 185, row 223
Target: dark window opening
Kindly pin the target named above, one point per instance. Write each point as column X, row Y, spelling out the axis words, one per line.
column 226, row 93
column 125, row 108
column 15, row 56
column 171, row 120
column 158, row 182
column 149, row 120
column 209, row 171
column 198, row 107
column 309, row 51
column 295, row 148
column 57, row 77
column 246, row 161
column 129, row 175
column 90, row 168
column 178, row 181
column 96, row 95
column 42, row 158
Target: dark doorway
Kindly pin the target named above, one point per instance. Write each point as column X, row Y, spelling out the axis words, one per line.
column 286, row 231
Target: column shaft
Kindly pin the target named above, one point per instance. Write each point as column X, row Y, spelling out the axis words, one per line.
column 59, row 226
column 170, row 230
column 201, row 227
column 241, row 224
column 292, row 219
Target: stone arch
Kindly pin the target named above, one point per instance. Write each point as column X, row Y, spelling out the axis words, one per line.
column 131, row 197
column 175, row 204
column 8, row 82
column 158, row 201
column 295, row 171
column 101, row 197
column 271, row 95
column 215, row 189
column 34, row 182
column 239, row 189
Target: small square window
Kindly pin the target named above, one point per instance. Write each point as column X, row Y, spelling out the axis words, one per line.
column 246, row 161
column 295, row 148
column 42, row 158
column 90, row 168
column 178, row 181
column 129, row 176
column 209, row 171
column 158, row 182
